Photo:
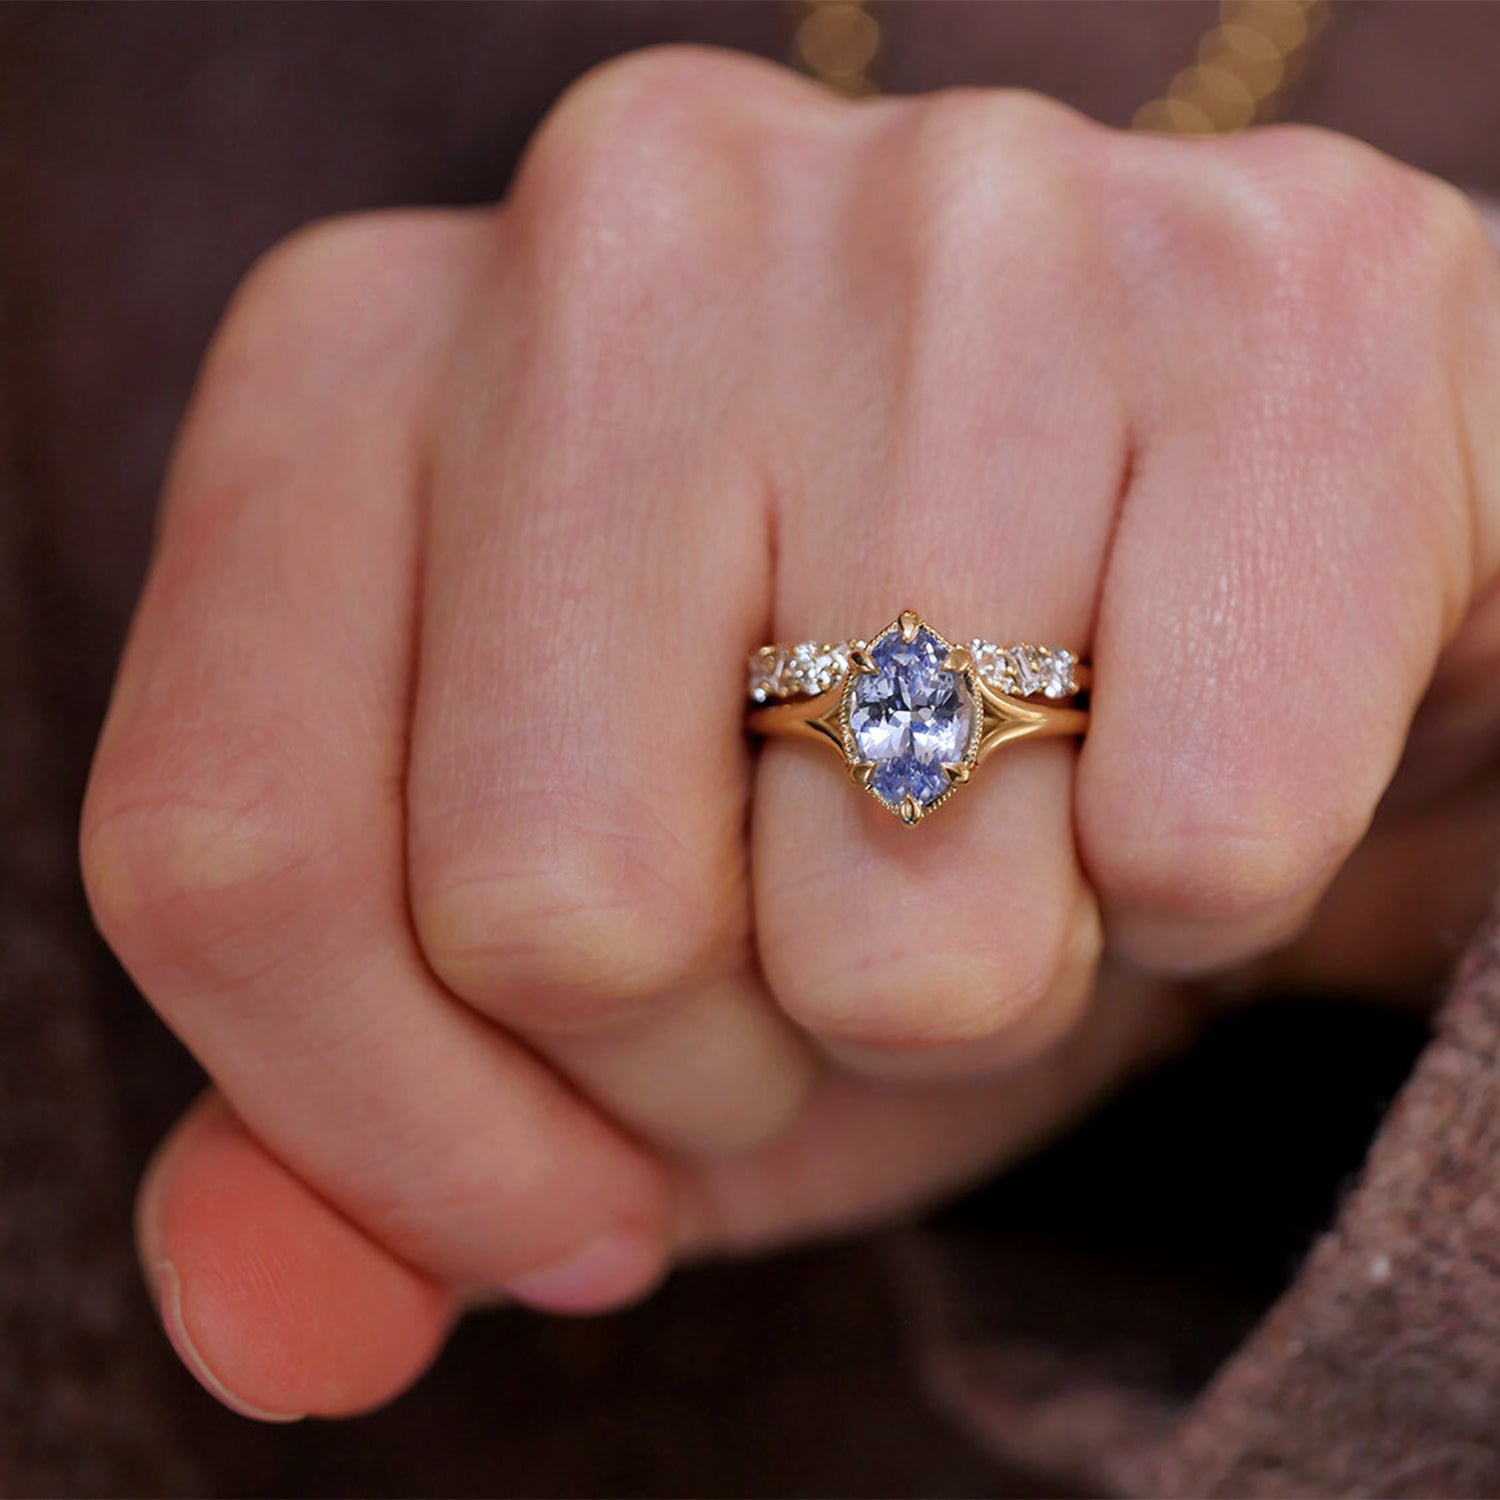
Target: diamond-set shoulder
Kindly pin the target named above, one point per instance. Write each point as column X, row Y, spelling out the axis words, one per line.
column 800, row 671
column 781, row 673
column 1025, row 670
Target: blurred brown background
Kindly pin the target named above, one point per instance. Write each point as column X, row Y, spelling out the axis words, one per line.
column 148, row 152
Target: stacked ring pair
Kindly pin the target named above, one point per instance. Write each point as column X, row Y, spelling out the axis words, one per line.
column 911, row 714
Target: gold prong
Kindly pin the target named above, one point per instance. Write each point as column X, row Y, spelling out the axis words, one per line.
column 911, row 811
column 861, row 772
column 959, row 659
column 958, row 772
column 909, row 622
column 861, row 660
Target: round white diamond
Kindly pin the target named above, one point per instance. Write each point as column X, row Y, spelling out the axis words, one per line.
column 812, row 668
column 993, row 664
column 1060, row 683
column 765, row 674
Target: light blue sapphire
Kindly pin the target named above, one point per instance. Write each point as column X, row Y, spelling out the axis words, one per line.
column 910, row 718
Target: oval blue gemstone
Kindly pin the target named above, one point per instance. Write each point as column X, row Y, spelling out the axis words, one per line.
column 910, row 718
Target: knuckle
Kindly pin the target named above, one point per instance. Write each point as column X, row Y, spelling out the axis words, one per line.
column 672, row 86
column 945, row 999
column 1456, row 240
column 645, row 162
column 1240, row 215
column 969, row 130
column 930, row 1002
column 982, row 161
column 361, row 293
column 669, row 95
column 1325, row 246
column 579, row 942
column 1267, row 861
column 1317, row 198
column 206, row 868
column 331, row 267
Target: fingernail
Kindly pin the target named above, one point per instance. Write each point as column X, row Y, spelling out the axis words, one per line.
column 169, row 1292
column 614, row 1269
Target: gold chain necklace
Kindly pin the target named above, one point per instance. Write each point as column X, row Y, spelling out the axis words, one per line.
column 1240, row 76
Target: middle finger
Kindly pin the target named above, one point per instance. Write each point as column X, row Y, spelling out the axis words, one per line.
column 597, row 551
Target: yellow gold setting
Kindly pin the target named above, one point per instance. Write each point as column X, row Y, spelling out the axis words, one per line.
column 995, row 717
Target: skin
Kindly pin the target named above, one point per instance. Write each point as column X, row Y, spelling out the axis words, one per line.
column 506, row 993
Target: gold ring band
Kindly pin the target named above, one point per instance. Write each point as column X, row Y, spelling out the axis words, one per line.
column 911, row 714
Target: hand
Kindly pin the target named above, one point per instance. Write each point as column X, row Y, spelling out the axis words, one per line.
column 424, row 815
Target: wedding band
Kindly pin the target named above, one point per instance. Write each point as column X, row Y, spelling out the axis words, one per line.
column 911, row 714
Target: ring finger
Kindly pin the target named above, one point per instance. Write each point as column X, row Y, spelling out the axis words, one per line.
column 984, row 499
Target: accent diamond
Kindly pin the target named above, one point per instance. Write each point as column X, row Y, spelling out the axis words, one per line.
column 808, row 669
column 994, row 665
column 1062, row 680
column 1025, row 671
column 812, row 668
column 765, row 673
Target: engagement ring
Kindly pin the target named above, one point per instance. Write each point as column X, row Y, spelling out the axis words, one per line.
column 911, row 714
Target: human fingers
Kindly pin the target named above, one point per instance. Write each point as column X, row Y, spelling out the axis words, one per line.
column 960, row 448
column 278, row 1305
column 598, row 548
column 868, row 1151
column 243, row 840
column 1310, row 515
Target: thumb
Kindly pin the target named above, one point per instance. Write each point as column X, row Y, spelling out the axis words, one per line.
column 277, row 1304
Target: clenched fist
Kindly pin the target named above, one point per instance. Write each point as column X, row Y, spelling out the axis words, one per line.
column 424, row 812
